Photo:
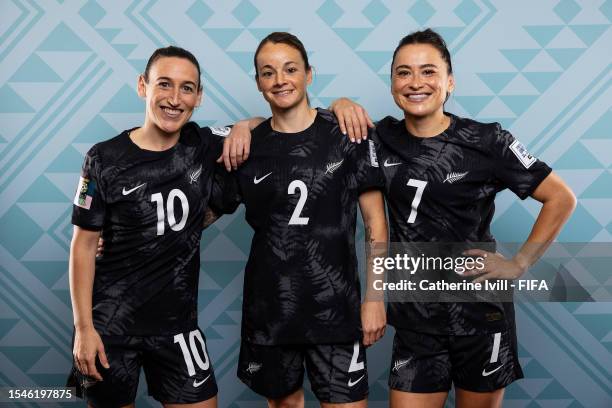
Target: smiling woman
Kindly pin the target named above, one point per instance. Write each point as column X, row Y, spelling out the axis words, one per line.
column 422, row 80
column 171, row 88
column 282, row 81
column 146, row 190
column 300, row 188
column 442, row 173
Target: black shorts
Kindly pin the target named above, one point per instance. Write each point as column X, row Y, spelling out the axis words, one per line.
column 177, row 369
column 337, row 372
column 432, row 363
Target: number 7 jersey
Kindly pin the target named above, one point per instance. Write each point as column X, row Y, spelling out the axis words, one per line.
column 300, row 191
column 150, row 207
column 442, row 189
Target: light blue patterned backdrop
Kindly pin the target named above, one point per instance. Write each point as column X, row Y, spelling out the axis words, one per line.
column 543, row 68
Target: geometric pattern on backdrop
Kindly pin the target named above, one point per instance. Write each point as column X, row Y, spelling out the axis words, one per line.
column 67, row 80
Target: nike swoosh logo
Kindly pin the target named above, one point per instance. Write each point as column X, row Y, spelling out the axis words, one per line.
column 197, row 384
column 131, row 190
column 352, row 383
column 486, row 373
column 257, row 181
column 387, row 164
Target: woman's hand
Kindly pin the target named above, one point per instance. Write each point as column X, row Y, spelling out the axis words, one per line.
column 236, row 146
column 496, row 266
column 88, row 345
column 352, row 118
column 373, row 321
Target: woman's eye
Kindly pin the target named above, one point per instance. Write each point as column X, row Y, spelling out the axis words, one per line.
column 292, row 70
column 403, row 73
column 266, row 74
column 187, row 89
column 164, row 84
column 429, row 72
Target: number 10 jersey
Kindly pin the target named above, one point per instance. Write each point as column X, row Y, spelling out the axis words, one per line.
column 150, row 207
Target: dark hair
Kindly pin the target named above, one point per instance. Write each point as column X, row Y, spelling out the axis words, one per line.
column 430, row 37
column 280, row 37
column 171, row 51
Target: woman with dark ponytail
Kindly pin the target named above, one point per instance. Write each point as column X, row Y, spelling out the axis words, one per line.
column 442, row 173
column 300, row 187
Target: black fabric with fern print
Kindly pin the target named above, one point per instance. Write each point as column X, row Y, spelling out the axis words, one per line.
column 300, row 191
column 442, row 189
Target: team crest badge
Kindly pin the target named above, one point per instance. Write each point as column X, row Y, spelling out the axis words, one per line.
column 452, row 177
column 195, row 175
column 253, row 368
column 331, row 167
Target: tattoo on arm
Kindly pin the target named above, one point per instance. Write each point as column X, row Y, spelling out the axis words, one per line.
column 368, row 235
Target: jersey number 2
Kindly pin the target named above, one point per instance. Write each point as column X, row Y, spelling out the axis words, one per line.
column 295, row 217
column 355, row 365
column 161, row 222
column 420, row 186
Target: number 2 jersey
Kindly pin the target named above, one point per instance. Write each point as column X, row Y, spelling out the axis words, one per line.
column 300, row 191
column 442, row 189
column 150, row 207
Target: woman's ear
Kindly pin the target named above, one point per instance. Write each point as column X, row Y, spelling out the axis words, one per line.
column 451, row 83
column 141, row 86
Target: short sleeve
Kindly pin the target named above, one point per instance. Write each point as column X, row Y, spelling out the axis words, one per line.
column 368, row 174
column 216, row 136
column 514, row 167
column 225, row 196
column 89, row 207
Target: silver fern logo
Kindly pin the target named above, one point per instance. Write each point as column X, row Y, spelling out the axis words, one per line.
column 331, row 167
column 452, row 177
column 193, row 177
column 399, row 364
column 253, row 368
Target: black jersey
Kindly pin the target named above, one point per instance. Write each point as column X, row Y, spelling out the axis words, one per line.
column 300, row 191
column 150, row 207
column 442, row 189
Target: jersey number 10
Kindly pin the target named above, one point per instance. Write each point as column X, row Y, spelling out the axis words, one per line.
column 158, row 198
column 192, row 350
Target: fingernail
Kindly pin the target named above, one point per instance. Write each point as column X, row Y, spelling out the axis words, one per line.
column 352, row 140
column 358, row 141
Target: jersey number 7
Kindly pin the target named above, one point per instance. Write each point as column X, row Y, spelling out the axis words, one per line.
column 420, row 186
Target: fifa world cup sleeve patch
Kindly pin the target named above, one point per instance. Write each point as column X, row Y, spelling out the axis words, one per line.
column 522, row 154
column 373, row 158
column 221, row 131
column 84, row 193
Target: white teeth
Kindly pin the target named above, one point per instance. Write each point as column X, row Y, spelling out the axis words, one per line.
column 283, row 93
column 170, row 111
column 417, row 97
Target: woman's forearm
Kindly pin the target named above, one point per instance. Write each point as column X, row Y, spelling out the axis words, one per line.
column 81, row 273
